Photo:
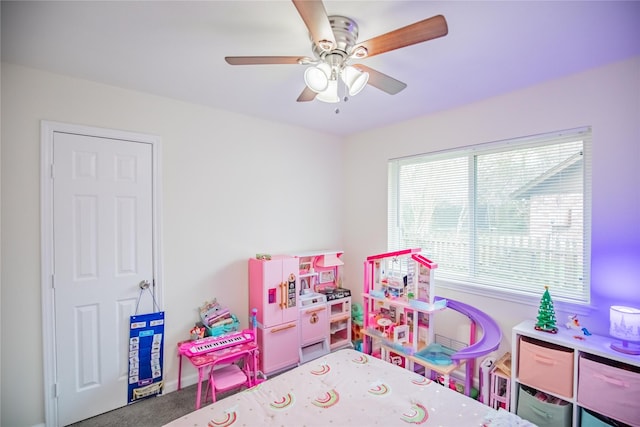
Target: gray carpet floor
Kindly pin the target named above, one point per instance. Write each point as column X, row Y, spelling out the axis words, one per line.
column 151, row 412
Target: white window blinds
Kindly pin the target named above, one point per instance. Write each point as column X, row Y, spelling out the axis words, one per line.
column 512, row 216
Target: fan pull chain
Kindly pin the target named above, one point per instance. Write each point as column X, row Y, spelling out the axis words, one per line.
column 342, row 86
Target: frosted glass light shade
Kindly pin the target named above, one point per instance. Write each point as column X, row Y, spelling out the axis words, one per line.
column 624, row 324
column 317, row 78
column 355, row 79
column 330, row 94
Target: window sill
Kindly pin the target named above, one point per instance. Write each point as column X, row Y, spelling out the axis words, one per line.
column 582, row 309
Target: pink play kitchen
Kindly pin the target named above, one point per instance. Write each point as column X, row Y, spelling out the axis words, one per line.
column 303, row 312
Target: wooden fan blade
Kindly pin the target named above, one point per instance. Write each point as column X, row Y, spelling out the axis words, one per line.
column 260, row 60
column 418, row 32
column 315, row 18
column 307, row 95
column 382, row 81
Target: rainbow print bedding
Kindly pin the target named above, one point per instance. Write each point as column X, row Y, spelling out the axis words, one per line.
column 345, row 388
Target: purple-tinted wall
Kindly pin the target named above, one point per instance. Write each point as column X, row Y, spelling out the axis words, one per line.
column 615, row 279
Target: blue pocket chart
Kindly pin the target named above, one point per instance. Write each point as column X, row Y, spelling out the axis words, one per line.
column 146, row 335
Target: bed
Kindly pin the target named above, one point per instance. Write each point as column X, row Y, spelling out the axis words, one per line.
column 347, row 388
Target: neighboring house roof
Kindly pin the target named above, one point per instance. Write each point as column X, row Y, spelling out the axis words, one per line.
column 553, row 181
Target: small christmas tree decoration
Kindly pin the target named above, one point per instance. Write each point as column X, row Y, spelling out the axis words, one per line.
column 546, row 314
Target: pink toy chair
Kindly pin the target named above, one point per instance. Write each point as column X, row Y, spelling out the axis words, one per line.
column 232, row 376
column 224, row 379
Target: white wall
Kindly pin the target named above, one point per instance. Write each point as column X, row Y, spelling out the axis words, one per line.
column 606, row 98
column 227, row 194
column 233, row 186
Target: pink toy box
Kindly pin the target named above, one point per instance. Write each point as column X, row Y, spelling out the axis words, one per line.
column 609, row 390
column 546, row 366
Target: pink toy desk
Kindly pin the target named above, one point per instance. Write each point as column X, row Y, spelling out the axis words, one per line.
column 247, row 351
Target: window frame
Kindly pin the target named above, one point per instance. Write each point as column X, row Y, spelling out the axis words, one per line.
column 467, row 285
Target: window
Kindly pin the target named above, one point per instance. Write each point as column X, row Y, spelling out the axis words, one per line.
column 511, row 216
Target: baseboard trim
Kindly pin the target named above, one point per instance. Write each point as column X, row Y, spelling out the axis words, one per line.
column 187, row 381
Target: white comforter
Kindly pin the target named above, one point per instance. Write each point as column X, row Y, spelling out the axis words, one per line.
column 345, row 388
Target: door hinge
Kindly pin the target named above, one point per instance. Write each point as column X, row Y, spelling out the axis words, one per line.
column 53, row 171
column 55, row 390
column 53, row 281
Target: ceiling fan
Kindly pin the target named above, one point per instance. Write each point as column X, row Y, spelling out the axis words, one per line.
column 334, row 46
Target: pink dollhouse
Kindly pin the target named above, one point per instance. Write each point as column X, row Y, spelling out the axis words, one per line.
column 400, row 307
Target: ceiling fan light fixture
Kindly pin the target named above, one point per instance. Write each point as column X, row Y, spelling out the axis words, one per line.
column 355, row 79
column 317, row 78
column 330, row 94
column 334, row 41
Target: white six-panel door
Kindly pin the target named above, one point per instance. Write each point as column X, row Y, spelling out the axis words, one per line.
column 103, row 247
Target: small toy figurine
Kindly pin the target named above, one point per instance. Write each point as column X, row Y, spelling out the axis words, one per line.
column 197, row 332
column 574, row 323
column 357, row 313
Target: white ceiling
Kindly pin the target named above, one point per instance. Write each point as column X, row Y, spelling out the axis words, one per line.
column 177, row 49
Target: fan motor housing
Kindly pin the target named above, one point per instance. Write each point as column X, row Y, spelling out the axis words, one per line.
column 345, row 31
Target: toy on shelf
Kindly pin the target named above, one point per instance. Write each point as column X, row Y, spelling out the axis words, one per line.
column 212, row 312
column 217, row 319
column 574, row 323
column 197, row 332
column 546, row 321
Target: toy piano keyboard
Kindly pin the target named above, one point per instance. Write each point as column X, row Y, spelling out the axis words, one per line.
column 210, row 344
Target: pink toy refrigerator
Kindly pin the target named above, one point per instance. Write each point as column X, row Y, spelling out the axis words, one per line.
column 273, row 290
